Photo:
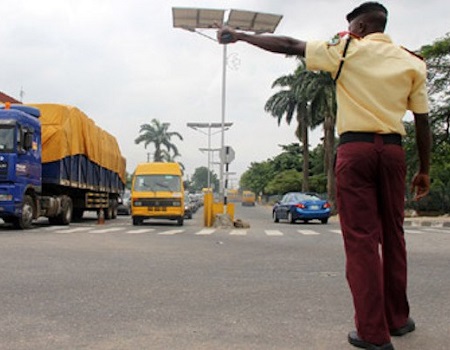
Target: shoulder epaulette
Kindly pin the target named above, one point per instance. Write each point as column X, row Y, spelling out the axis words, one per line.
column 412, row 53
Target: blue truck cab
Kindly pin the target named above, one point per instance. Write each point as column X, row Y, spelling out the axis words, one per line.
column 20, row 163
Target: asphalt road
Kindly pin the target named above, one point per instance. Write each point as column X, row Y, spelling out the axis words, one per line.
column 161, row 286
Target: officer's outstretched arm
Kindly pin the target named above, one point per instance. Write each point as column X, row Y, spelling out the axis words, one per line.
column 272, row 43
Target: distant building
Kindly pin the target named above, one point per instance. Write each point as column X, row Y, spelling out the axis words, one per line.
column 5, row 98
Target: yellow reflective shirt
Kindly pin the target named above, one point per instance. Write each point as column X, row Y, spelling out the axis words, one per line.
column 378, row 83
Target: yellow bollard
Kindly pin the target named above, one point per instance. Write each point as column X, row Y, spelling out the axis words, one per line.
column 207, row 209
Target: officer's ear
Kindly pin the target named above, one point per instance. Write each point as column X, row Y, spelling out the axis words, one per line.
column 360, row 28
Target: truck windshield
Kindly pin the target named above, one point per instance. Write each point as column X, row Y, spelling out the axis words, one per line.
column 6, row 139
column 146, row 183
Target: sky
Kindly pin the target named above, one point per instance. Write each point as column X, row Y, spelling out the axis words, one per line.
column 123, row 64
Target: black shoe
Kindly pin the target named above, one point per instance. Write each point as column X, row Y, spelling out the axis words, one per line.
column 407, row 328
column 355, row 340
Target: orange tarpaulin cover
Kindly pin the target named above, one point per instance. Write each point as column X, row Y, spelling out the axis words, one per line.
column 67, row 131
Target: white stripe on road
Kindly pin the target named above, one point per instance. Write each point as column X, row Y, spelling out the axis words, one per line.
column 72, row 230
column 339, row 232
column 238, row 232
column 205, row 232
column 413, row 231
column 142, row 230
column 107, row 230
column 170, row 232
column 308, row 232
column 274, row 233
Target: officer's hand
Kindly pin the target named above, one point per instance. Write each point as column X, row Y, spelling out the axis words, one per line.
column 420, row 185
column 226, row 35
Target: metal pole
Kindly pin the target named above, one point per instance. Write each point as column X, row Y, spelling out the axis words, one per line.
column 209, row 156
column 222, row 142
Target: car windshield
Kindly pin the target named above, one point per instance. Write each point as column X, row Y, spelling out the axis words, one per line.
column 6, row 139
column 145, row 183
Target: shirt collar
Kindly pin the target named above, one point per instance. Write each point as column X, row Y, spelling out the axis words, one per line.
column 379, row 37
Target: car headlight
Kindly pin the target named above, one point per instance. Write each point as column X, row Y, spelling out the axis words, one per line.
column 6, row 197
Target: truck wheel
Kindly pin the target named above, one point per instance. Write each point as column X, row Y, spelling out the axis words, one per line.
column 65, row 217
column 26, row 218
column 115, row 205
column 67, row 210
column 180, row 221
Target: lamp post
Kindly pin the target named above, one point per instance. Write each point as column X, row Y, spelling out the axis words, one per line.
column 192, row 19
column 209, row 126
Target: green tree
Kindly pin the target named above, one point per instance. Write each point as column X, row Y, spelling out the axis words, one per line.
column 285, row 181
column 320, row 90
column 257, row 177
column 312, row 97
column 291, row 101
column 158, row 134
column 289, row 158
column 199, row 179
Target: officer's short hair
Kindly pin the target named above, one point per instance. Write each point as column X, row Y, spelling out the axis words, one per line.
column 367, row 7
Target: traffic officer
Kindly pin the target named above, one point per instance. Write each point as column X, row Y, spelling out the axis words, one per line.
column 376, row 83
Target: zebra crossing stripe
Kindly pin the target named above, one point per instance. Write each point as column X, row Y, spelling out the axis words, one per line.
column 238, row 232
column 308, row 232
column 107, row 230
column 142, row 230
column 339, row 232
column 274, row 233
column 73, row 230
column 413, row 231
column 206, row 231
column 170, row 232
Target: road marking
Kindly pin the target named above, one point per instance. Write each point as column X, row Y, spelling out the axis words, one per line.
column 170, row 232
column 413, row 231
column 433, row 230
column 205, row 232
column 339, row 232
column 107, row 230
column 238, row 232
column 308, row 232
column 142, row 230
column 274, row 233
column 72, row 230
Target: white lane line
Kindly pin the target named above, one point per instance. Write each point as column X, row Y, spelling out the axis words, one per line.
column 107, row 230
column 308, row 232
column 339, row 232
column 170, row 232
column 274, row 233
column 238, row 232
column 413, row 231
column 142, row 230
column 205, row 232
column 433, row 230
column 72, row 230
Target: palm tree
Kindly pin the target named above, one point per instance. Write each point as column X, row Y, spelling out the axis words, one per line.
column 320, row 90
column 292, row 99
column 312, row 96
column 157, row 133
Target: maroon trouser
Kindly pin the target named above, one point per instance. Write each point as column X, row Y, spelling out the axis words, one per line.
column 370, row 180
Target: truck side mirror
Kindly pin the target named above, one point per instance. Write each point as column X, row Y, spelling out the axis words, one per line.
column 28, row 141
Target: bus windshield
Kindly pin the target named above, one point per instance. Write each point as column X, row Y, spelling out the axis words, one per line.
column 146, row 183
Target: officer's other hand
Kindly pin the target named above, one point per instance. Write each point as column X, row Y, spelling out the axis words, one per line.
column 420, row 186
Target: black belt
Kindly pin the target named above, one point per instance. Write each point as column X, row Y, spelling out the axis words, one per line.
column 392, row 139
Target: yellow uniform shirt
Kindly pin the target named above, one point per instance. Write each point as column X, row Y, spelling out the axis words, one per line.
column 379, row 81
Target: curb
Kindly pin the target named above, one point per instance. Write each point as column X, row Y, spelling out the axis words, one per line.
column 427, row 223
